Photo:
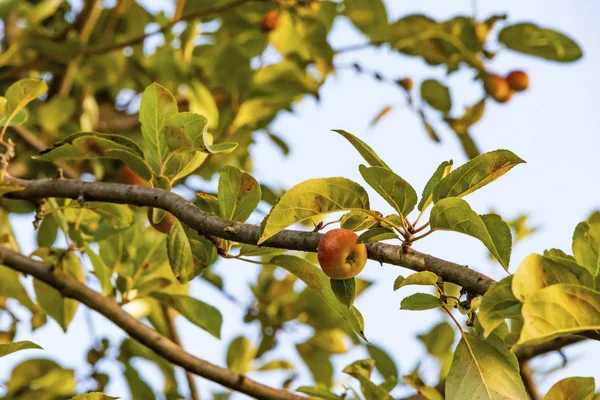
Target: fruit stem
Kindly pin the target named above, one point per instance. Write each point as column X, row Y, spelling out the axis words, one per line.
column 421, row 228
column 429, row 232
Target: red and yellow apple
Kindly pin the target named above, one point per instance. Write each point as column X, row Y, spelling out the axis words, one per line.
column 518, row 80
column 164, row 225
column 339, row 255
column 497, row 87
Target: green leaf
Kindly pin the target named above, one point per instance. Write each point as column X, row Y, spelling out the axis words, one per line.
column 559, row 310
column 454, row 214
column 118, row 215
column 102, row 272
column 365, row 151
column 475, row 174
column 361, row 370
column 344, row 290
column 7, row 187
column 94, row 396
column 21, row 93
column 157, row 106
column 436, row 95
column 319, row 282
column 138, row 388
column 578, row 388
column 239, row 194
column 438, row 341
column 370, row 16
column 357, row 221
column 179, row 252
column 484, row 370
column 51, row 300
column 311, row 199
column 497, row 305
column 318, row 363
column 41, row 379
column 419, row 302
column 426, row 391
column 442, row 170
column 540, row 42
column 86, row 145
column 537, row 272
column 586, row 246
column 8, row 348
column 276, row 365
column 202, row 102
column 318, row 392
column 376, row 235
column 207, row 202
column 197, row 312
column 248, row 250
column 419, row 278
column 184, row 132
column 395, row 190
column 383, row 362
column 239, row 355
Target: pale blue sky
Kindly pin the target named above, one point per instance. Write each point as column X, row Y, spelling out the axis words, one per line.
column 553, row 126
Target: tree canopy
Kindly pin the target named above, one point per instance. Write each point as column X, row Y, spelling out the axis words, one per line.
column 108, row 113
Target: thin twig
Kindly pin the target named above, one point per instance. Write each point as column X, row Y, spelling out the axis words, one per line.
column 170, row 318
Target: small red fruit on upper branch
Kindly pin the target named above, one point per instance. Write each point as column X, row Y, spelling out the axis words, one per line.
column 270, row 21
column 518, row 80
column 339, row 255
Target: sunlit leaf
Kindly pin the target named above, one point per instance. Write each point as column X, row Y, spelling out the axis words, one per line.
column 419, row 278
column 318, row 392
column 239, row 355
column 454, row 214
column 364, row 150
column 484, row 369
column 370, row 16
column 395, row 190
column 157, row 106
column 572, row 388
column 497, row 305
column 475, row 174
column 559, row 310
column 537, row 272
column 426, row 391
column 383, row 362
column 8, row 348
column 311, row 199
column 238, row 195
column 21, row 93
column 426, row 198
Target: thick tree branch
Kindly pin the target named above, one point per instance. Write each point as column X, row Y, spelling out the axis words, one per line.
column 208, row 224
column 527, row 353
column 164, row 347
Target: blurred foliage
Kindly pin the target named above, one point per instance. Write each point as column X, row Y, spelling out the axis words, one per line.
column 153, row 98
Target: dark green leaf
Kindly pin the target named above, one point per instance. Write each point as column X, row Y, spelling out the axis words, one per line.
column 455, row 214
column 383, row 362
column 395, row 190
column 197, row 312
column 420, row 301
column 442, row 170
column 541, row 42
column 436, row 95
column 344, row 290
